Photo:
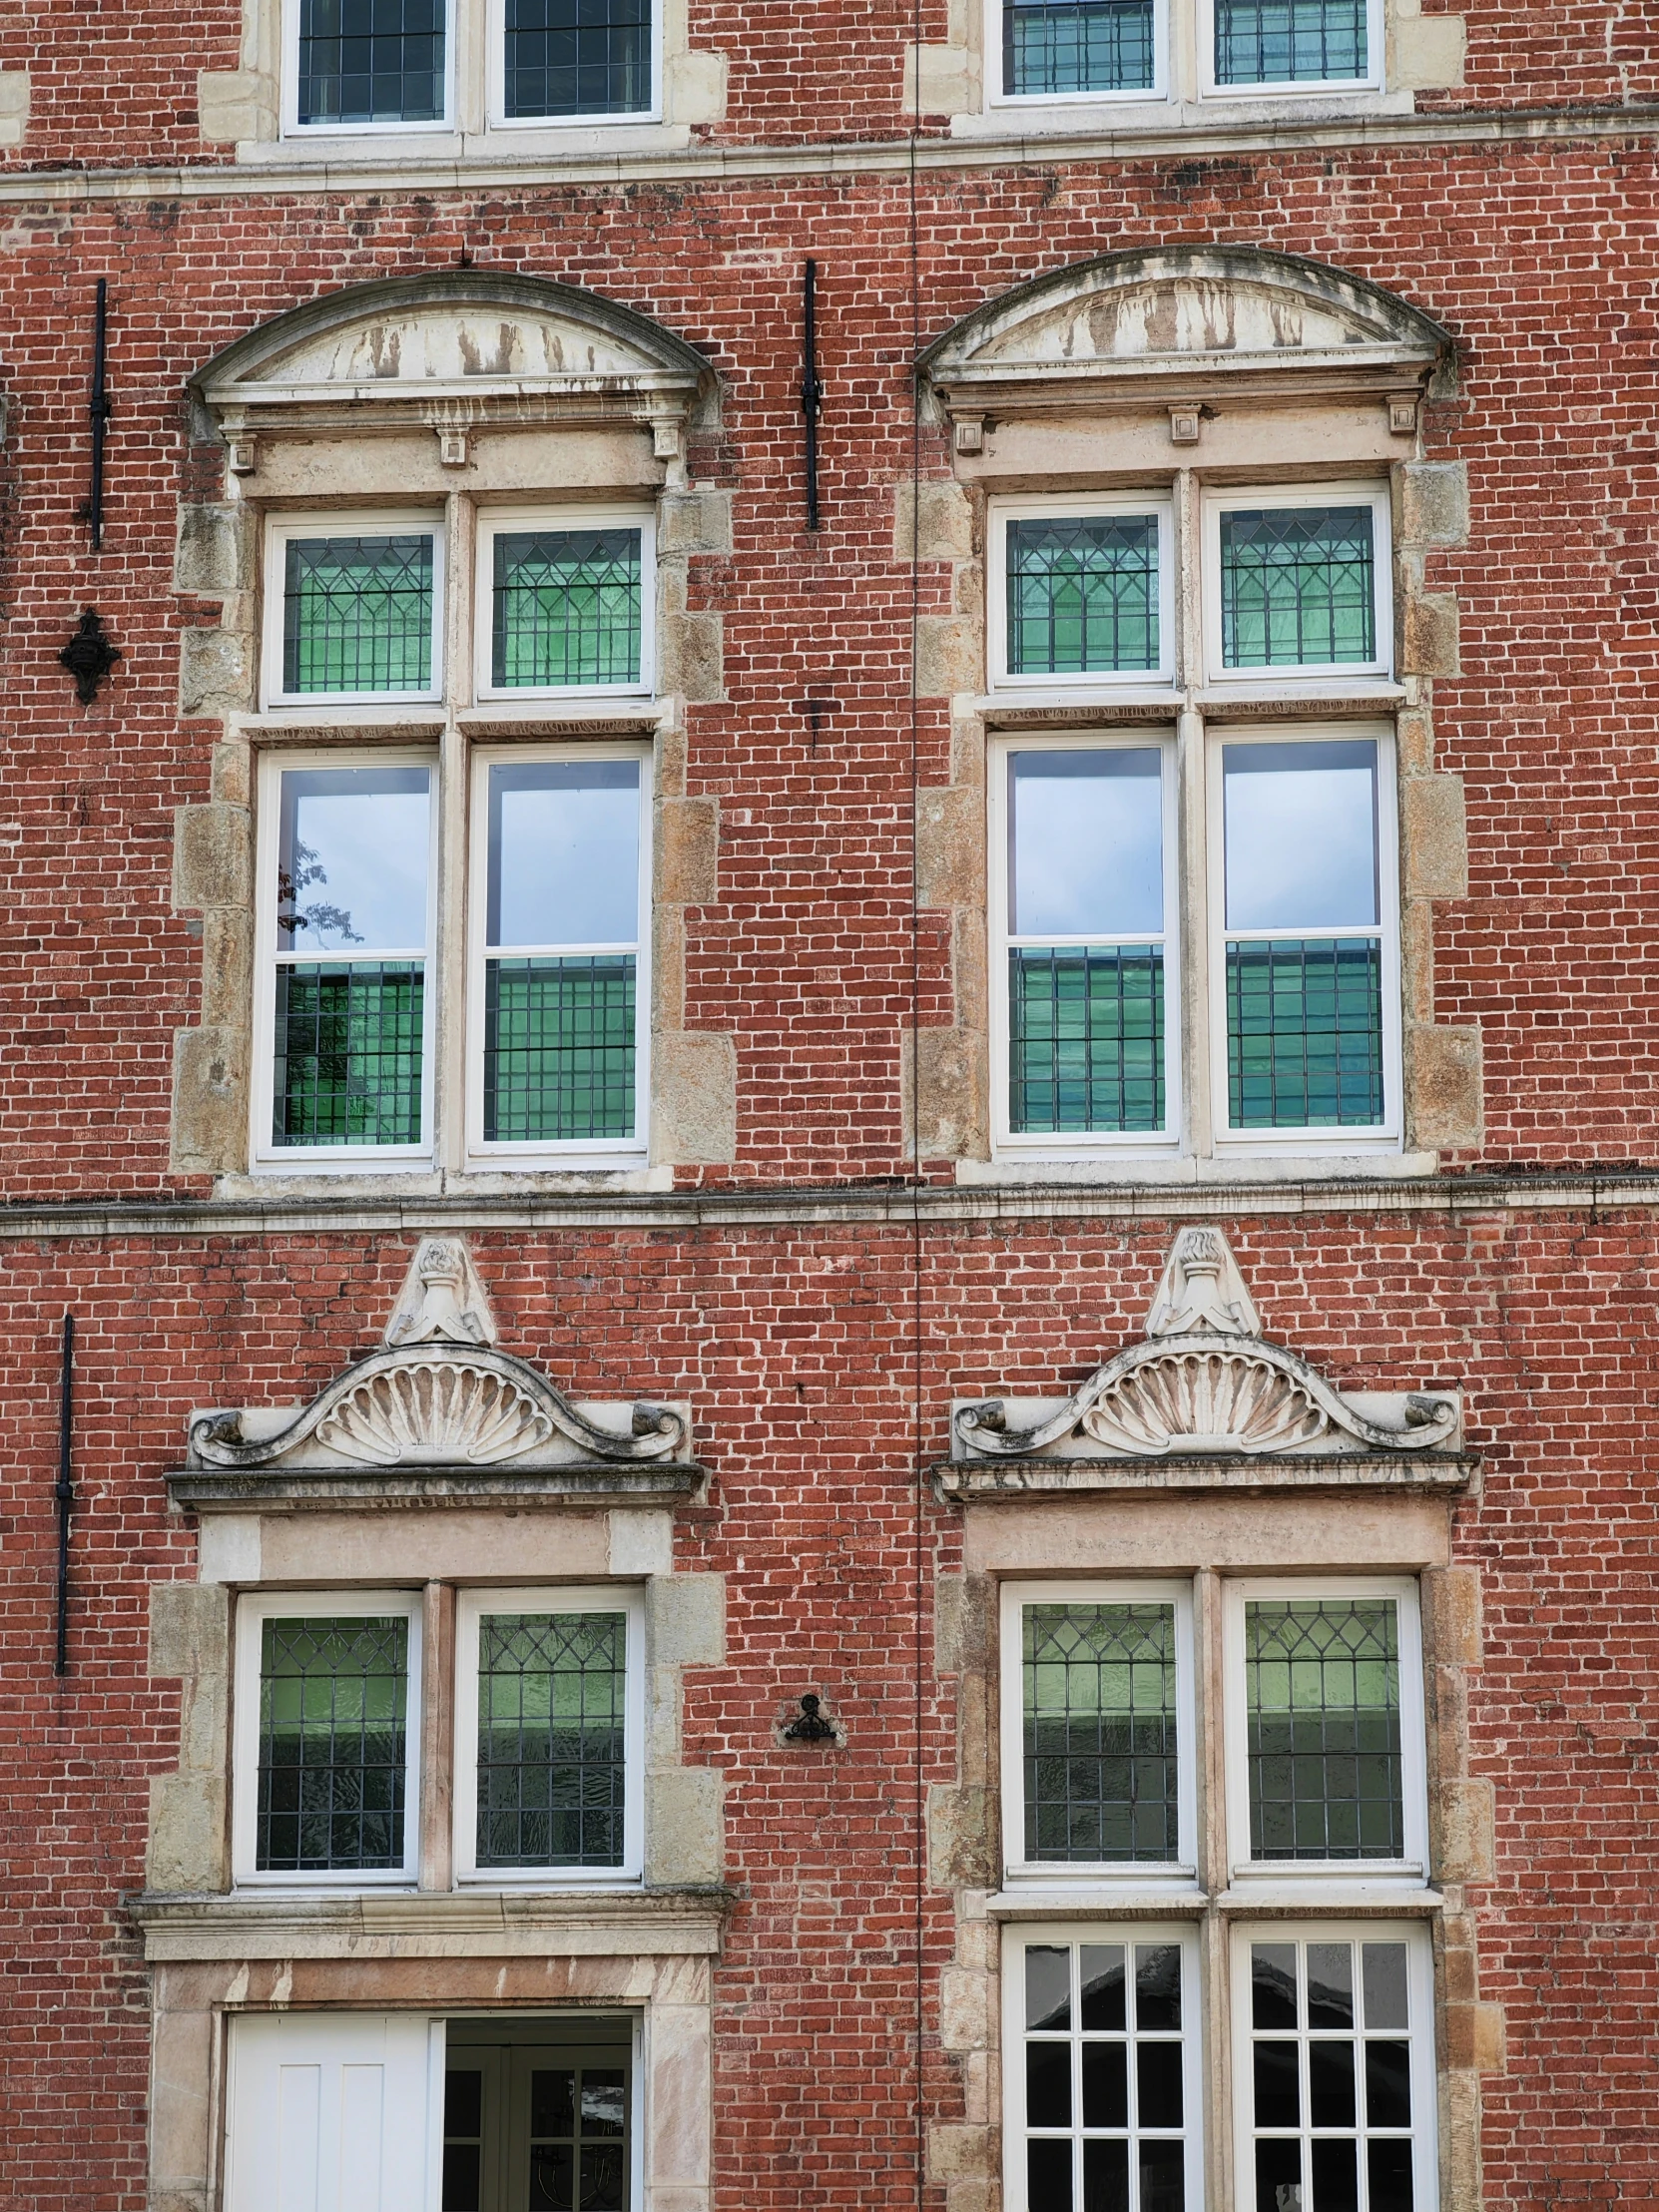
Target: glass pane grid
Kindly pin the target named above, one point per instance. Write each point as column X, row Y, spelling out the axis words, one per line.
column 1305, row 1034
column 1289, row 42
column 1324, row 1758
column 1086, row 1038
column 1105, row 2106
column 559, row 1048
column 551, row 1739
column 1330, row 2076
column 566, row 608
column 332, row 1767
column 1083, row 595
column 348, row 1052
column 578, row 2129
column 578, row 57
column 357, row 615
column 1100, row 1733
column 371, row 60
column 1298, row 588
column 1056, row 46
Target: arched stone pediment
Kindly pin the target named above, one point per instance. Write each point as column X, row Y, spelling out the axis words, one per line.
column 455, row 349
column 1162, row 318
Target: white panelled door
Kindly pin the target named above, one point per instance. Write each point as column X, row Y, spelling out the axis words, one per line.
column 334, row 2112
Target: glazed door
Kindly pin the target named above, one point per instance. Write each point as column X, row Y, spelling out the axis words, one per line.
column 538, row 2126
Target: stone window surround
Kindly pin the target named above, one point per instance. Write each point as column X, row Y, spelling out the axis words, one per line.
column 1210, row 1540
column 249, row 107
column 958, row 80
column 1031, row 424
column 356, row 444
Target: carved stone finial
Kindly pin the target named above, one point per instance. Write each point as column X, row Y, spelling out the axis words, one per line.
column 1201, row 1290
column 442, row 1298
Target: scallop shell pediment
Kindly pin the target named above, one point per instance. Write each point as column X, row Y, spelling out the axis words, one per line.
column 1205, row 1401
column 436, row 1410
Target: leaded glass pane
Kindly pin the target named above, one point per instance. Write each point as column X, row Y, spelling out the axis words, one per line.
column 1322, row 1702
column 1086, row 1037
column 1083, row 595
column 1054, row 46
column 332, row 1752
column 551, row 1739
column 578, row 57
column 566, row 608
column 1100, row 1731
column 357, row 615
column 559, row 1047
column 1289, row 42
column 1305, row 1034
column 1297, row 587
column 371, row 60
column 348, row 1051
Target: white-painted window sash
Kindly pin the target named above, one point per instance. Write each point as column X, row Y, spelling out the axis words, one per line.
column 1321, row 88
column 495, row 18
column 342, row 522
column 1064, row 507
column 494, row 522
column 998, row 94
column 1297, row 679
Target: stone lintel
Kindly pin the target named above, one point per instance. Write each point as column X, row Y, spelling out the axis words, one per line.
column 583, row 1484
column 991, row 1482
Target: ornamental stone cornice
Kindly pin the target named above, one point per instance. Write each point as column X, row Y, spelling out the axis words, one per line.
column 437, row 1414
column 1205, row 1401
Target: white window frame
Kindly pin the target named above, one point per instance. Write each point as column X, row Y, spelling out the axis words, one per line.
column 1015, row 1937
column 1330, row 677
column 254, row 1609
column 1420, row 2035
column 547, row 1598
column 1304, row 1140
column 339, row 522
column 1062, row 507
column 494, row 522
column 299, row 1159
column 607, row 1151
column 495, row 19
column 998, row 96
column 1318, row 88
column 1410, row 1871
column 1071, row 1875
column 1075, row 1143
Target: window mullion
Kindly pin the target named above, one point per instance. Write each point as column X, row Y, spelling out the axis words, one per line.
column 437, row 1735
column 451, row 1011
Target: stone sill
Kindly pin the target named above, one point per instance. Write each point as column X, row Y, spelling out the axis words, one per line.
column 1000, row 1481
column 416, row 1925
column 582, row 1483
column 1011, row 122
column 1337, row 1899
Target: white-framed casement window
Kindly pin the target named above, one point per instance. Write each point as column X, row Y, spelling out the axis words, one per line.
column 1086, row 1039
column 1333, row 2066
column 549, row 1736
column 345, row 935
column 1297, row 584
column 1102, row 2068
column 379, row 66
column 326, row 1741
column 1099, row 1772
column 1081, row 592
column 559, row 982
column 1069, row 53
column 566, row 601
column 1325, row 1732
column 354, row 609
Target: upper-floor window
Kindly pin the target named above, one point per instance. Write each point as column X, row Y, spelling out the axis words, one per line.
column 366, row 64
column 546, row 1780
column 1103, row 49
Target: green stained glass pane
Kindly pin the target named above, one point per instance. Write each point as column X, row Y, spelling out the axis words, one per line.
column 1086, row 1037
column 332, row 1754
column 1083, row 595
column 1100, row 1731
column 1054, row 46
column 566, row 608
column 1305, row 1034
column 1289, row 42
column 559, row 1043
column 577, row 57
column 348, row 1050
column 357, row 615
column 552, row 1755
column 371, row 60
column 1321, row 1699
column 1297, row 587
